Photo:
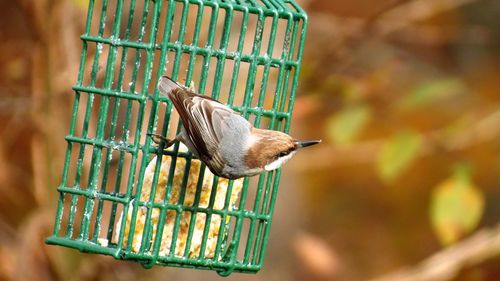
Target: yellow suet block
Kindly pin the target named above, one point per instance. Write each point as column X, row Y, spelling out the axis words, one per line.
column 185, row 219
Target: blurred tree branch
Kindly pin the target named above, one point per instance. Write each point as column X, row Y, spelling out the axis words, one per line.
column 31, row 252
column 54, row 67
column 482, row 130
column 444, row 265
column 390, row 20
column 395, row 23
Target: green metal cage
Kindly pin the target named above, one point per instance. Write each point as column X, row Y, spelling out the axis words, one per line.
column 245, row 53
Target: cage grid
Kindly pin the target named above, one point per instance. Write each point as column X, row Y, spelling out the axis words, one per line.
column 217, row 46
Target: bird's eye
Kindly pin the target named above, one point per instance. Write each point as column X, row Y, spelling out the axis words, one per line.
column 283, row 153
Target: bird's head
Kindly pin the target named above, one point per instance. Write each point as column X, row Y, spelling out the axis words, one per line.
column 271, row 149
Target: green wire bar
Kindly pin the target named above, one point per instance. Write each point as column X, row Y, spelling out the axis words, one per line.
column 246, row 54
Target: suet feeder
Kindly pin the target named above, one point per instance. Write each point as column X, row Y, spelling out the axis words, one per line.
column 119, row 195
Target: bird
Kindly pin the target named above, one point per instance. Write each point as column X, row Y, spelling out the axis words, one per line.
column 228, row 144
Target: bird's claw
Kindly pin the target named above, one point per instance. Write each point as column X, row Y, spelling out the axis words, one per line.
column 159, row 140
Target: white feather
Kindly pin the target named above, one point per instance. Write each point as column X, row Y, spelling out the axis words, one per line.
column 251, row 140
column 278, row 162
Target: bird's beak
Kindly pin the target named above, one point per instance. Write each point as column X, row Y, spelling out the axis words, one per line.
column 301, row 144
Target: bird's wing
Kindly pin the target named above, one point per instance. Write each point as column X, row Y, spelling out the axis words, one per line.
column 204, row 118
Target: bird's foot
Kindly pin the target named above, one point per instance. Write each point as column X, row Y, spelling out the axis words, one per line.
column 162, row 141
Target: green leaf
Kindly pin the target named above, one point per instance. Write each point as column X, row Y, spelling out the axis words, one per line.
column 343, row 127
column 432, row 91
column 397, row 154
column 456, row 206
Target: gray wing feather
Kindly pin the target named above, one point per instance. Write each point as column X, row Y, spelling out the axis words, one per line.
column 212, row 122
column 215, row 120
column 202, row 112
column 206, row 121
column 220, row 124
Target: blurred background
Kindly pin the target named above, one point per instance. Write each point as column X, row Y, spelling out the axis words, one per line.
column 405, row 186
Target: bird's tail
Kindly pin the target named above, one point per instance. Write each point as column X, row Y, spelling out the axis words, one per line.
column 166, row 85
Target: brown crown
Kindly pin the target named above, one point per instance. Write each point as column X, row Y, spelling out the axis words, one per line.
column 267, row 147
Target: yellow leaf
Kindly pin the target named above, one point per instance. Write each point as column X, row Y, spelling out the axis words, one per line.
column 432, row 91
column 343, row 127
column 397, row 154
column 82, row 4
column 456, row 207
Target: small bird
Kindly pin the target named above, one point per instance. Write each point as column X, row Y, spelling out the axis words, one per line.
column 222, row 139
